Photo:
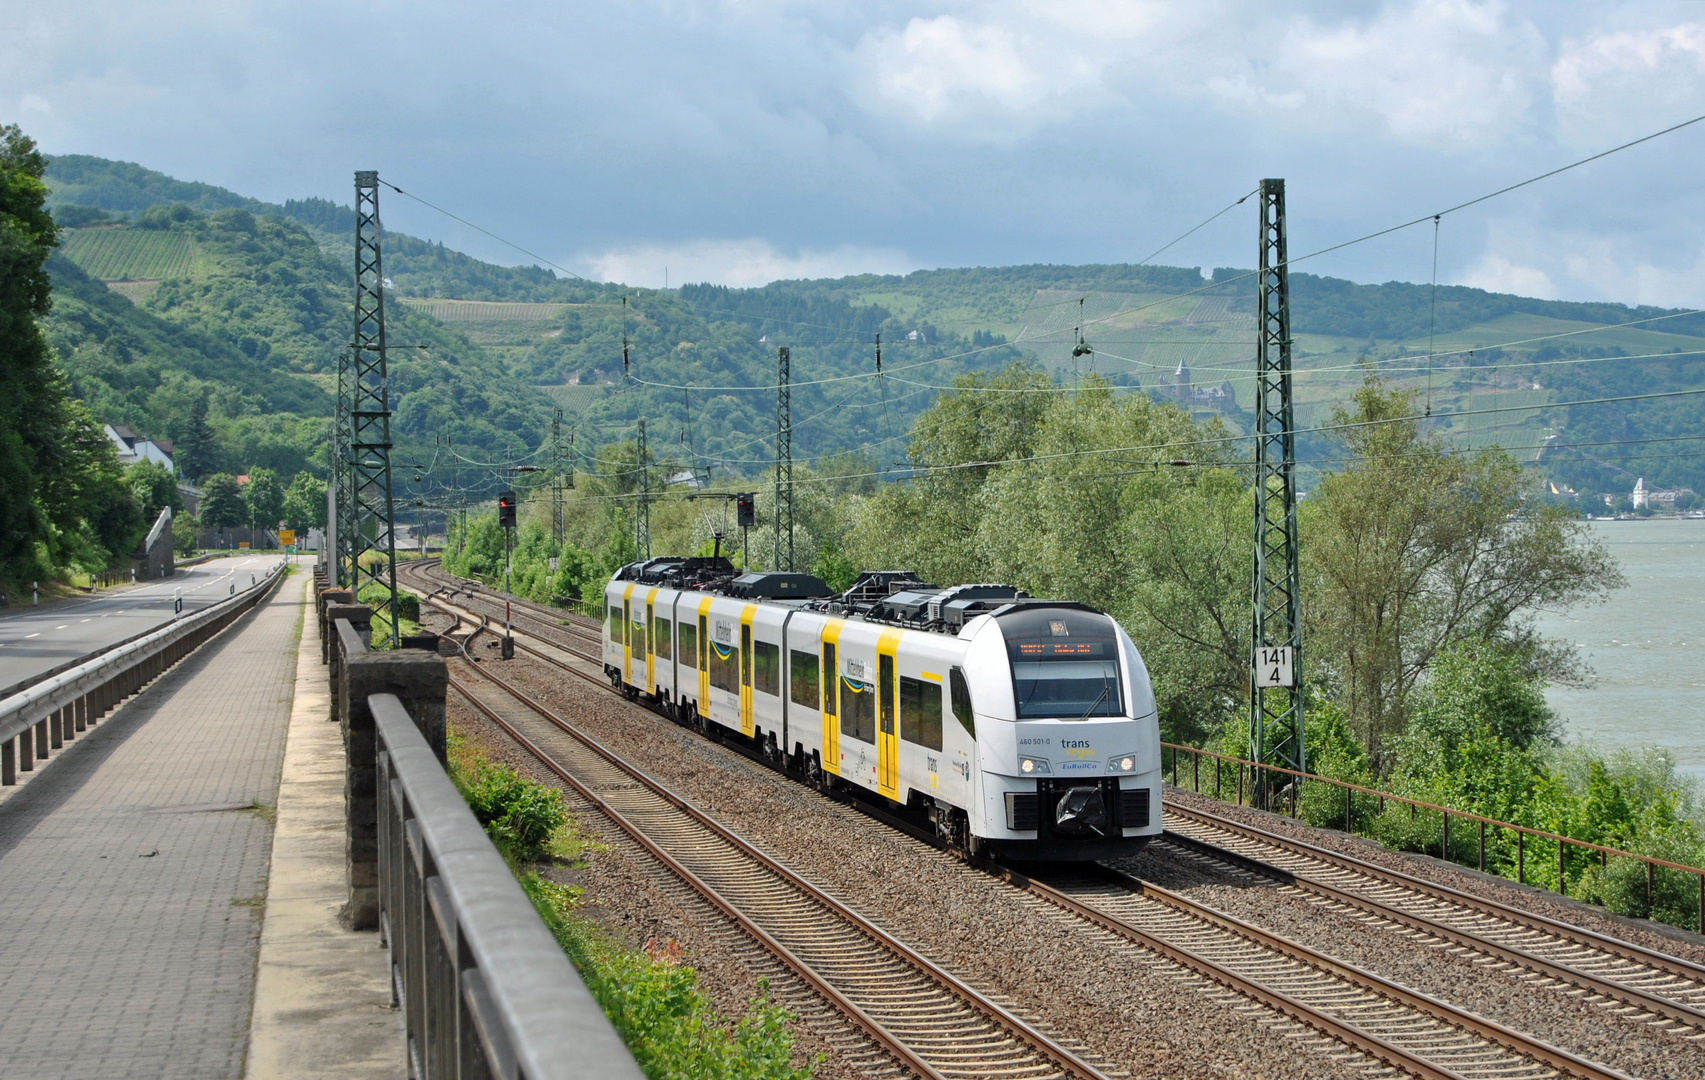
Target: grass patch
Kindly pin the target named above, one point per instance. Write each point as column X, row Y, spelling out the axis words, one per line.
column 654, row 1002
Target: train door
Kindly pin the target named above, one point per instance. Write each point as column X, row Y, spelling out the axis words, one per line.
column 627, row 635
column 650, row 644
column 746, row 669
column 704, row 656
column 887, row 728
column 831, row 688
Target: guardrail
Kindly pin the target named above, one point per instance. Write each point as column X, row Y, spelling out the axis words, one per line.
column 47, row 714
column 484, row 987
column 1291, row 782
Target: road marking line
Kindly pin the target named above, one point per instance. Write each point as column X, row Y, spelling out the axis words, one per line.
column 32, row 635
column 62, row 626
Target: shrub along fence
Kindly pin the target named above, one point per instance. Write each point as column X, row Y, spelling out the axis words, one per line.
column 1529, row 855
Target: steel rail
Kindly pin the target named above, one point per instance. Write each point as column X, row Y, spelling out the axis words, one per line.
column 1037, row 1043
column 526, row 609
column 1609, row 948
column 1358, row 1036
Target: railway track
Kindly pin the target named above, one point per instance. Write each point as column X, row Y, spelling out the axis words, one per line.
column 1392, row 1024
column 1615, row 974
column 1641, row 982
column 1386, row 1023
column 931, row 1022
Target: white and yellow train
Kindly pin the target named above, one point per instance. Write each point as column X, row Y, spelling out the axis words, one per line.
column 1021, row 727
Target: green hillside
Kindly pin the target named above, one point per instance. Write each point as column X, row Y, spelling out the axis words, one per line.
column 702, row 359
column 258, row 331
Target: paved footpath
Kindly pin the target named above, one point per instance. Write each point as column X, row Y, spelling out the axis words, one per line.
column 323, row 993
column 132, row 871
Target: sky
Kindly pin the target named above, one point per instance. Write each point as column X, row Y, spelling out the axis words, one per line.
column 749, row 140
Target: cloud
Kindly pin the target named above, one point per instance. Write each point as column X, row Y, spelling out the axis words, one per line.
column 813, row 139
column 739, row 263
column 1600, row 80
column 1450, row 70
column 1495, row 273
column 948, row 69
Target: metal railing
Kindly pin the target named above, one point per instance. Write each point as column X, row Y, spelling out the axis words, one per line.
column 45, row 715
column 1291, row 783
column 485, row 989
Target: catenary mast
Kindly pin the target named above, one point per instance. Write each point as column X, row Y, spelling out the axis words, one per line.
column 1275, row 692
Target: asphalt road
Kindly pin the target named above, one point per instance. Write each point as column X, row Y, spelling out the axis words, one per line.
column 37, row 640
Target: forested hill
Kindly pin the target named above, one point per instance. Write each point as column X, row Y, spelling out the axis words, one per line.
column 702, row 357
column 251, row 314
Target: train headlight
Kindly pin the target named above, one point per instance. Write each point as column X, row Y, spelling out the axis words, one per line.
column 1122, row 763
column 1028, row 766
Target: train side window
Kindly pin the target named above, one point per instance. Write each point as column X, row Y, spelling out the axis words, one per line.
column 724, row 665
column 689, row 642
column 663, row 638
column 829, row 678
column 858, row 710
column 920, row 712
column 803, row 687
column 961, row 692
column 615, row 624
column 766, row 663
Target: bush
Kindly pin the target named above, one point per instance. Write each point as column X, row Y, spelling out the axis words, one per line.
column 186, row 533
column 519, row 814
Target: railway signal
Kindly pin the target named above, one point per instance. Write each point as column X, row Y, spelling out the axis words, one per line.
column 506, row 521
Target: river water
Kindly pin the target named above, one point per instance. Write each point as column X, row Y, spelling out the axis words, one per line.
column 1646, row 644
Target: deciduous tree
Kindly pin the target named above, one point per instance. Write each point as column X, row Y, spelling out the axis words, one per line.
column 1415, row 546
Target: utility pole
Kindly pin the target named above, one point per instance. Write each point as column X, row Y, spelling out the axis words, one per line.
column 642, row 512
column 557, row 493
column 370, row 412
column 784, row 458
column 1275, row 680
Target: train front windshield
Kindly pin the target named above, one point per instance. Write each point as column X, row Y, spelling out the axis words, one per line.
column 1065, row 663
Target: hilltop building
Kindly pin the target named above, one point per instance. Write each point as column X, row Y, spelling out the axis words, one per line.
column 1183, row 390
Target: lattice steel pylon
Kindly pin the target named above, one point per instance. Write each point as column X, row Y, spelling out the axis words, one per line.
column 784, row 459
column 558, row 525
column 642, row 510
column 370, row 415
column 1275, row 679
